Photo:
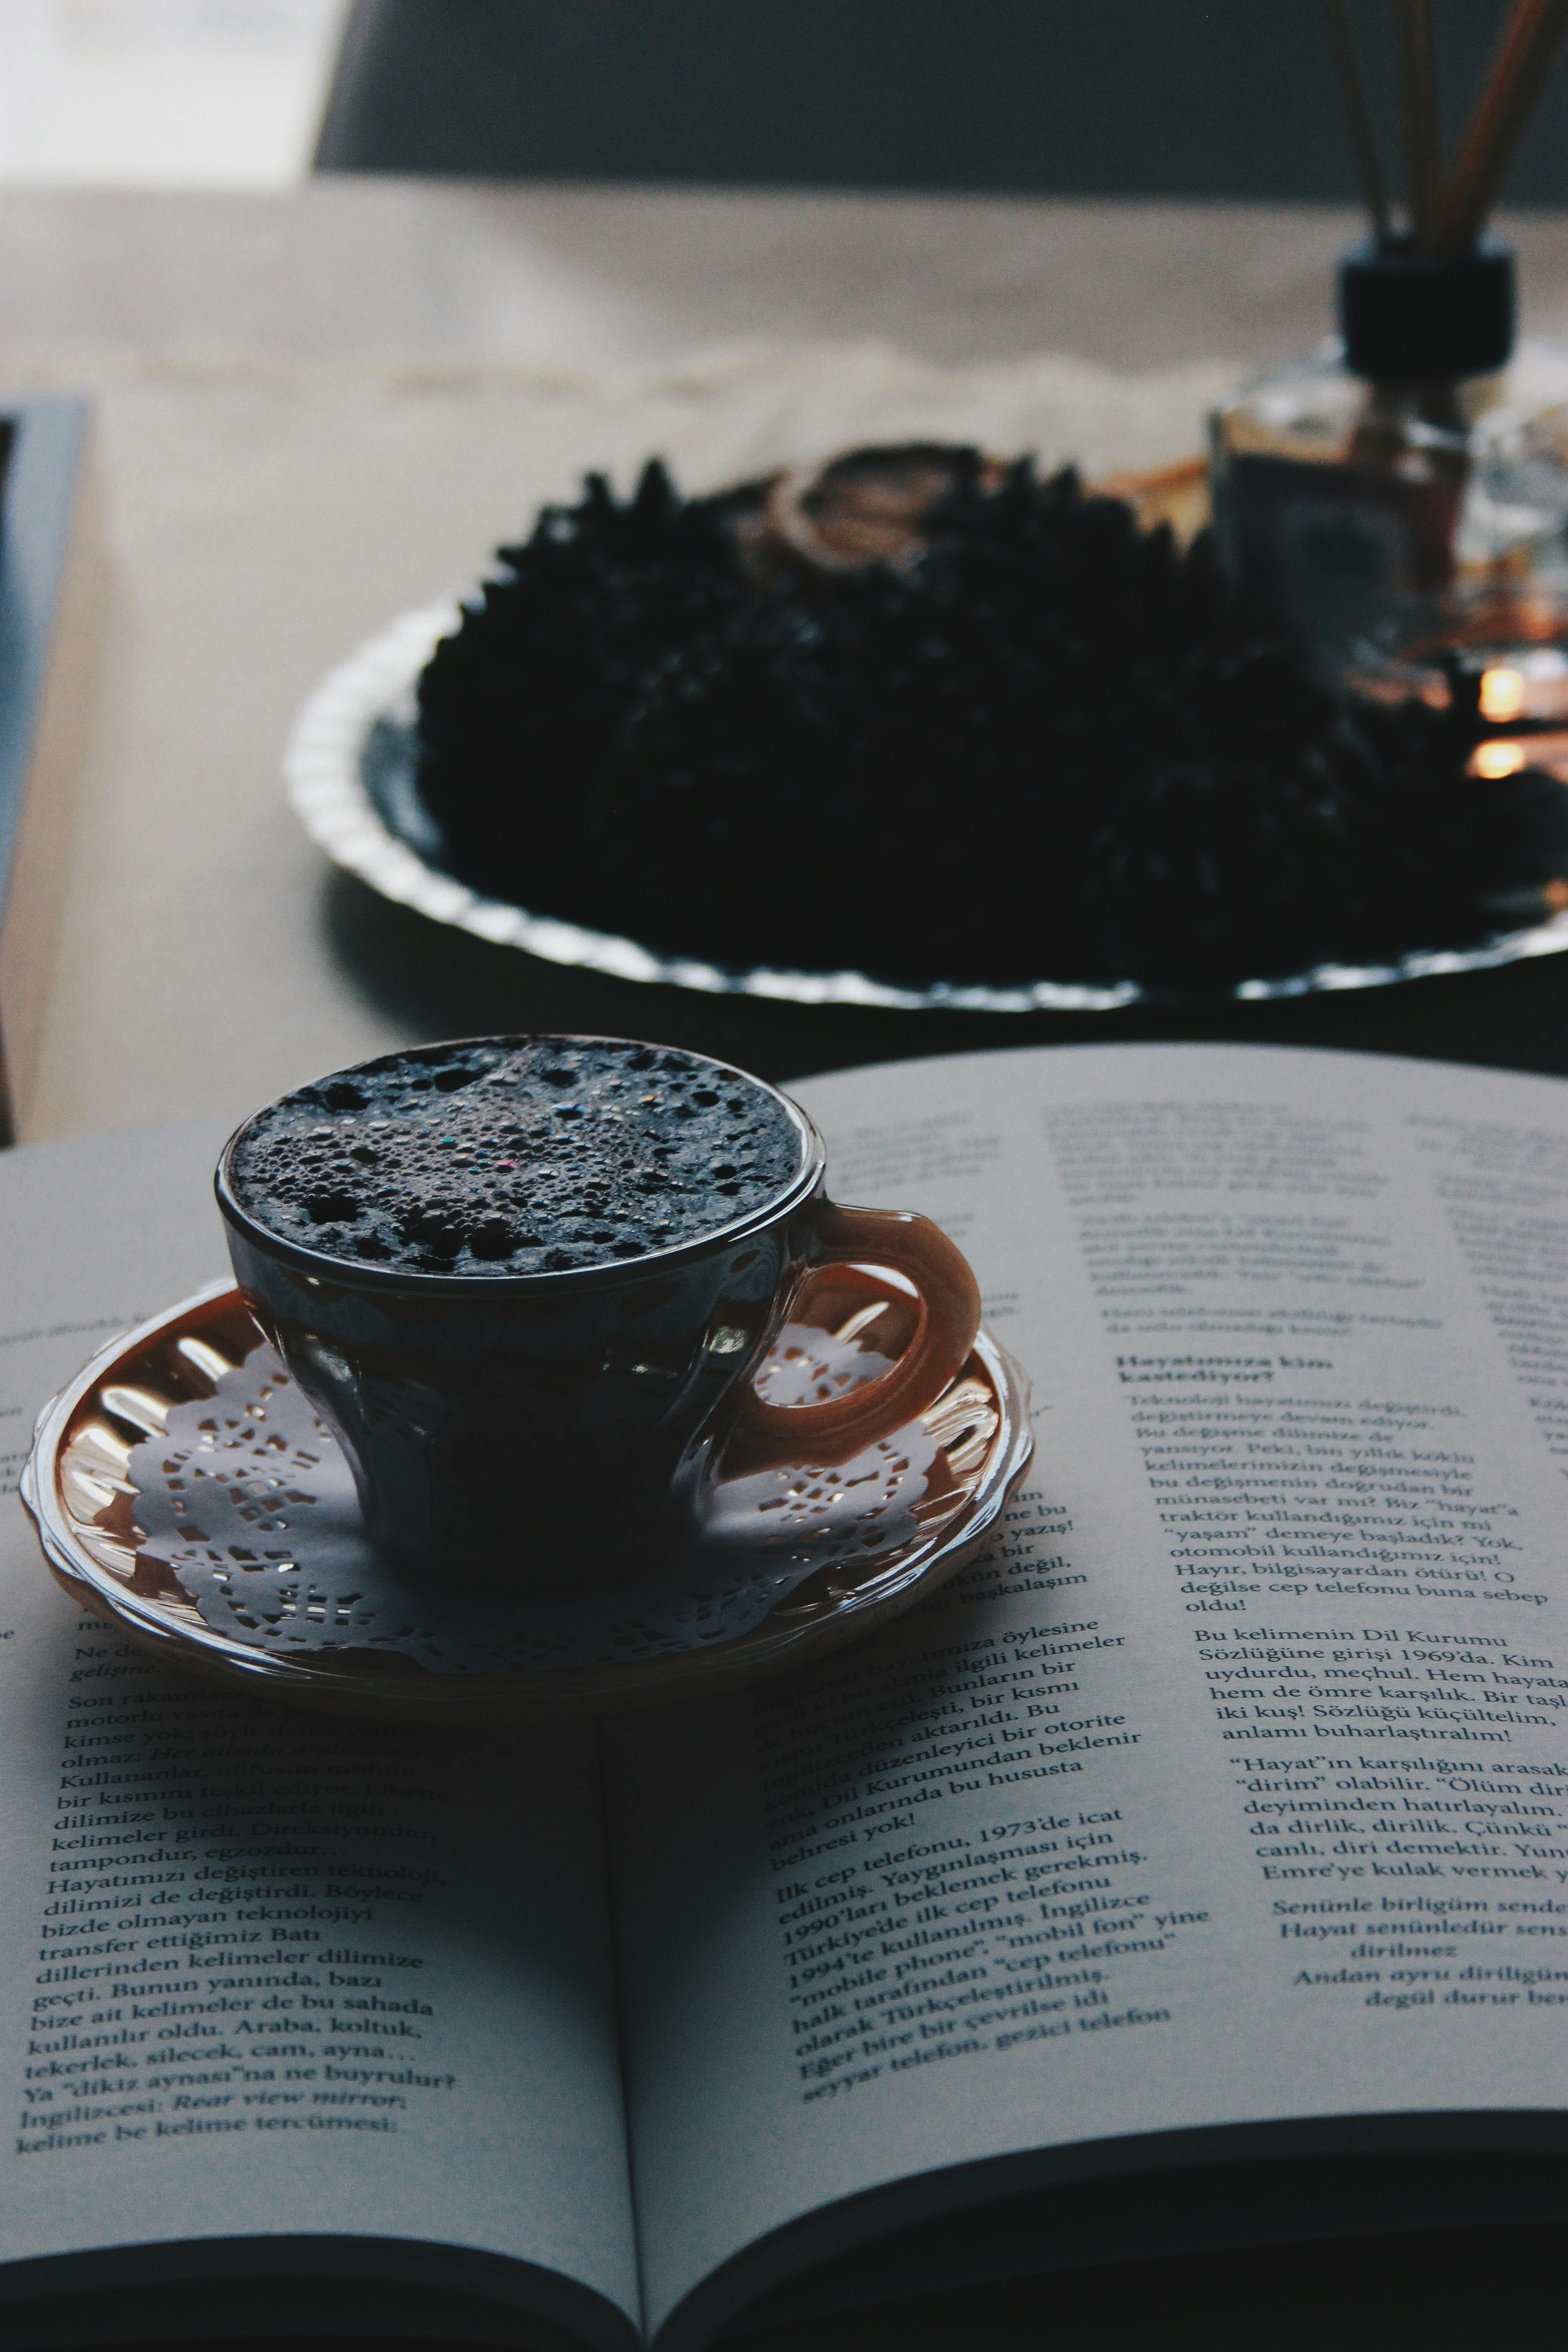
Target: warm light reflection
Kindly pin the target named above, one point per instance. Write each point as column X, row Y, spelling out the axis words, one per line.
column 1505, row 755
column 1495, row 760
column 1503, row 696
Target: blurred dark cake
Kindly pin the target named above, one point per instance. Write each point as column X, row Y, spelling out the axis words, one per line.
column 926, row 715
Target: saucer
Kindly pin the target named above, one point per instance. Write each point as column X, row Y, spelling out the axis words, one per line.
column 184, row 1490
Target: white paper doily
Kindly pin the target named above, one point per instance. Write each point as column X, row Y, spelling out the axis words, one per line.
column 249, row 1500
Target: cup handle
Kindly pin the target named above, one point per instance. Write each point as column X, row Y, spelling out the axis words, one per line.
column 948, row 1316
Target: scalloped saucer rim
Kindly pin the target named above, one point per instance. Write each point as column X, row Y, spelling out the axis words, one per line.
column 362, row 1683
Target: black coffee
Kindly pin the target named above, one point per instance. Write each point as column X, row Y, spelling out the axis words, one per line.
column 489, row 1159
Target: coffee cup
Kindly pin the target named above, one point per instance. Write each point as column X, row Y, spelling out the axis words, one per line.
column 529, row 1282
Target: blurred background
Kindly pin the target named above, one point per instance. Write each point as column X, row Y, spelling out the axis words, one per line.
column 329, row 296
column 164, row 93
column 1131, row 97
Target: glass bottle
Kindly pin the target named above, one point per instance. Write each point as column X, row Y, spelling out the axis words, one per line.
column 1419, row 452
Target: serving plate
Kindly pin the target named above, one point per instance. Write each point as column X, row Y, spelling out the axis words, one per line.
column 352, row 771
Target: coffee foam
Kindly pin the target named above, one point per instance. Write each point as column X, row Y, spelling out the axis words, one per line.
column 535, row 1158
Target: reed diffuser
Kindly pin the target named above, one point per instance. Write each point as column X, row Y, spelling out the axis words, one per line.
column 1422, row 450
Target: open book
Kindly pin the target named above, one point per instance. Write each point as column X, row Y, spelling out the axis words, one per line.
column 1194, row 1869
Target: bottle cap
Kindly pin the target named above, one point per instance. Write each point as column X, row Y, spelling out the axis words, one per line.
column 1426, row 318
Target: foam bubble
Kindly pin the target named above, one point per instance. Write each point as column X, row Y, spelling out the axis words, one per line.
column 484, row 1159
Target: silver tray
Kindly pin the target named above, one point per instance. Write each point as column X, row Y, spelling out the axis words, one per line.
column 351, row 768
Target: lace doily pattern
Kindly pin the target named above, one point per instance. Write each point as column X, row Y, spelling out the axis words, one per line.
column 249, row 1499
column 183, row 1492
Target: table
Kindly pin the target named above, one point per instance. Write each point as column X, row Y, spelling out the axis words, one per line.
column 305, row 411
column 318, row 408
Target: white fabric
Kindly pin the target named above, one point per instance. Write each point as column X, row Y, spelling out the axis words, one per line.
column 263, row 515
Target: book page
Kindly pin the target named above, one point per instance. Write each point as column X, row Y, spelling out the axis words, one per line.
column 1231, row 1785
column 267, row 1978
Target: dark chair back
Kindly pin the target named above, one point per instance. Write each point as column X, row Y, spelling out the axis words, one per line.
column 1139, row 98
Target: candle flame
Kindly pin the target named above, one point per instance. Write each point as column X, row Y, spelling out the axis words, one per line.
column 1503, row 695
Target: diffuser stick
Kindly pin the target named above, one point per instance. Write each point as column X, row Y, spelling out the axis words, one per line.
column 1363, row 144
column 1418, row 93
column 1518, row 73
